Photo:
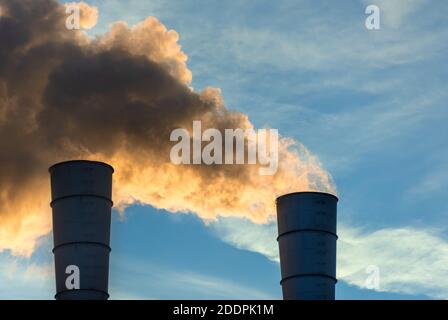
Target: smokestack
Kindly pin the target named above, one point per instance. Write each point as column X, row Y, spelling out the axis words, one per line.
column 81, row 202
column 307, row 242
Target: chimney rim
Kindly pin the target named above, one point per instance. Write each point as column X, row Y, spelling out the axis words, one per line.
column 81, row 161
column 305, row 192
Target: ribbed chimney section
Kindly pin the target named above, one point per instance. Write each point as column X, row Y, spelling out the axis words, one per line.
column 307, row 242
column 81, row 202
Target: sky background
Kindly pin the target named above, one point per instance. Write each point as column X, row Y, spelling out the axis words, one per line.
column 372, row 105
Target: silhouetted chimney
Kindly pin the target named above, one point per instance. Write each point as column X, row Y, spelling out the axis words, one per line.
column 81, row 202
column 307, row 242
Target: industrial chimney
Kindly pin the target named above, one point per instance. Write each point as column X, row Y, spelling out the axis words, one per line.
column 81, row 202
column 307, row 242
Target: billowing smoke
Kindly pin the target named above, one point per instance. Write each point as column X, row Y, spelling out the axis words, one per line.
column 116, row 98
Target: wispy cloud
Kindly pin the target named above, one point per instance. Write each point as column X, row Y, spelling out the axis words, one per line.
column 21, row 278
column 136, row 279
column 349, row 135
column 222, row 288
column 368, row 89
column 353, row 49
column 130, row 279
column 245, row 235
column 434, row 181
column 397, row 12
column 334, row 41
column 410, row 260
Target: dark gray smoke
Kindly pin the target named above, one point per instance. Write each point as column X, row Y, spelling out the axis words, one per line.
column 116, row 98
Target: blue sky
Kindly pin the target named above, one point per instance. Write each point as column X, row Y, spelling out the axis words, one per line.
column 372, row 105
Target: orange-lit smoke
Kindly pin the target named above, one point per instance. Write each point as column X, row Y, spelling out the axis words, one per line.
column 116, row 99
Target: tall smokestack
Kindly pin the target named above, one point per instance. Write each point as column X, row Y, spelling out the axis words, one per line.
column 81, row 202
column 307, row 242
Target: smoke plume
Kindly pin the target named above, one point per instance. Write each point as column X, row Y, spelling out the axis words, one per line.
column 116, row 98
